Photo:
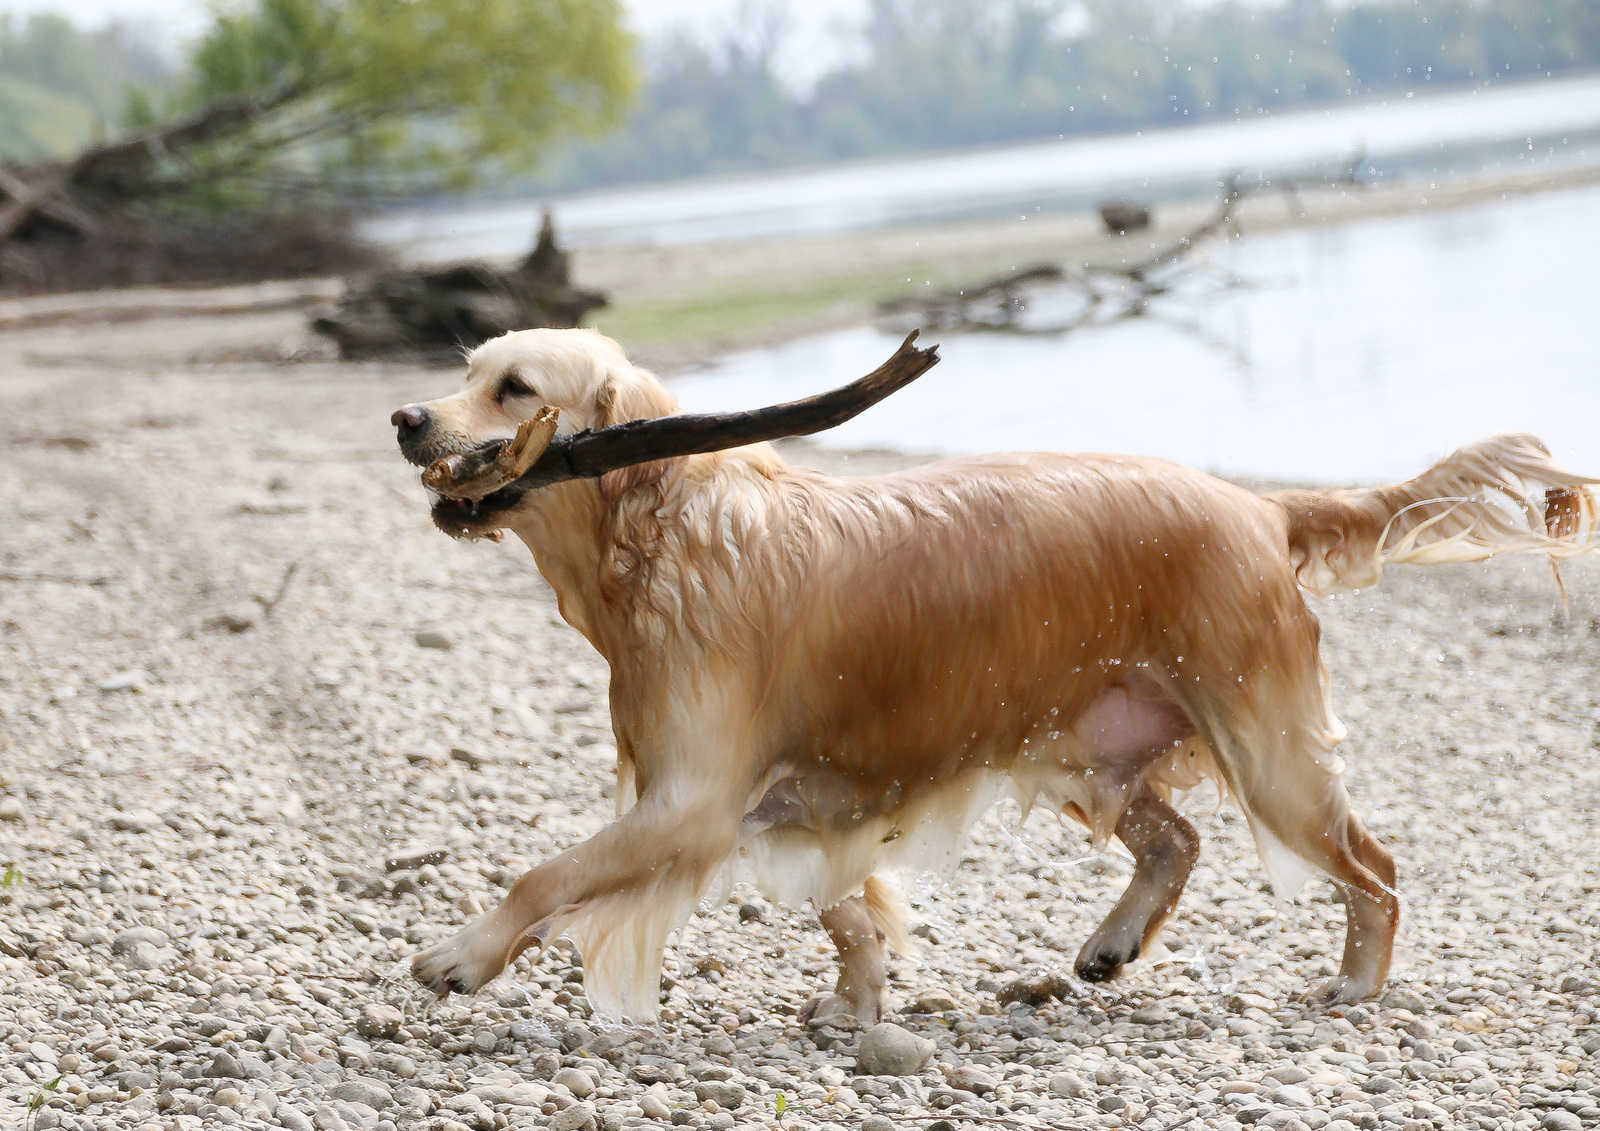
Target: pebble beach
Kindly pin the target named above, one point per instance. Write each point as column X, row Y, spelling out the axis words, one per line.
column 264, row 734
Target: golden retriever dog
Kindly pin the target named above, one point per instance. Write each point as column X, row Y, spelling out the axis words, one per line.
column 817, row 682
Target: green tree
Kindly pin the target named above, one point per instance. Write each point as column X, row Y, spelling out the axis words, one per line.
column 373, row 95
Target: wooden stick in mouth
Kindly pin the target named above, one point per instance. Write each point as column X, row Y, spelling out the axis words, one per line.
column 537, row 457
column 485, row 470
column 589, row 454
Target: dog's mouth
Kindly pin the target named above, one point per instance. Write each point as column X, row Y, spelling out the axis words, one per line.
column 474, row 518
column 463, row 518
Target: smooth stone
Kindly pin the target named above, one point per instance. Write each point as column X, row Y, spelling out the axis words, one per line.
column 574, row 1118
column 362, row 1090
column 326, row 1119
column 379, row 1021
column 972, row 1079
column 134, row 821
column 130, row 680
column 726, row 1094
column 223, row 1066
column 127, row 940
column 1292, row 1095
column 10, row 809
column 1068, row 1086
column 933, row 1001
column 414, row 858
column 752, row 913
column 144, row 956
column 1560, row 1120
column 238, row 618
column 889, row 1050
column 1289, row 1074
column 654, row 1107
column 576, row 1081
column 434, row 638
column 1398, row 997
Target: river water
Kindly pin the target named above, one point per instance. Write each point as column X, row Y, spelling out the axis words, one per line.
column 1404, row 133
column 1355, row 354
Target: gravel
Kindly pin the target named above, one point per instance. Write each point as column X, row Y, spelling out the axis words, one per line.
column 219, row 847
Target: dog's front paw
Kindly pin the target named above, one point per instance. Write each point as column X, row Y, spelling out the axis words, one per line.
column 1339, row 990
column 462, row 964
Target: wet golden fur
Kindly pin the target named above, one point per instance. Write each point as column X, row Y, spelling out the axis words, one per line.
column 817, row 681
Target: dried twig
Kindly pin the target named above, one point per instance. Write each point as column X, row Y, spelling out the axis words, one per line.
column 269, row 604
column 54, row 578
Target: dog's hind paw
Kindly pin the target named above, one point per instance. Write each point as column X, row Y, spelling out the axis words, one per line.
column 1098, row 962
column 1339, row 990
column 456, row 965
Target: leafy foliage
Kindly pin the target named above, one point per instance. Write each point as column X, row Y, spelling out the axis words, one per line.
column 945, row 73
column 372, row 94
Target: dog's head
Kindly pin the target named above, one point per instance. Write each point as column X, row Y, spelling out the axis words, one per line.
column 584, row 374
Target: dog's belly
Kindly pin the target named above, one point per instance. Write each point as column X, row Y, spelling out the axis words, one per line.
column 818, row 834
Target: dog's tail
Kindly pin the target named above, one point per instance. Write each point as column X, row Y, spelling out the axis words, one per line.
column 1476, row 502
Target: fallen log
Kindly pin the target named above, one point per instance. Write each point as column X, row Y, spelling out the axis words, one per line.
column 165, row 302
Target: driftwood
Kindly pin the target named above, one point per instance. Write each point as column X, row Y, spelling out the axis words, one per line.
column 1099, row 292
column 437, row 313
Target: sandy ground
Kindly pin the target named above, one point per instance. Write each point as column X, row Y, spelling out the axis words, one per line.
column 203, row 770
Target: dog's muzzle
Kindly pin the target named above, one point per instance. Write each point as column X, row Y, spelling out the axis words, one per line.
column 423, row 443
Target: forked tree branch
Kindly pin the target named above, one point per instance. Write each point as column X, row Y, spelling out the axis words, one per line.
column 591, row 453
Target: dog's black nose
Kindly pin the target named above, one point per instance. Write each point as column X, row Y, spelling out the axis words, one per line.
column 410, row 418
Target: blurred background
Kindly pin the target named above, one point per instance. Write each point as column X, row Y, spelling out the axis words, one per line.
column 1219, row 232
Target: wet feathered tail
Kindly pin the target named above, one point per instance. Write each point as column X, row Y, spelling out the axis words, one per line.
column 1503, row 494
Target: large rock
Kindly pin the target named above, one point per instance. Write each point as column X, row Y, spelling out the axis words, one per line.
column 127, row 940
column 576, row 1081
column 889, row 1050
column 575, row 1118
column 726, row 1093
column 363, row 1090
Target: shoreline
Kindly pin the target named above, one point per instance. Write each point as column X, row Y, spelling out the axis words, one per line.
column 677, row 307
column 674, row 308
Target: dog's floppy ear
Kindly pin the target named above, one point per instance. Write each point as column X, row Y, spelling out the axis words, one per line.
column 627, row 393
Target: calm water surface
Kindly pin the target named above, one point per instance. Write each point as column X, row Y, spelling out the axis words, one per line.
column 1424, row 131
column 1358, row 353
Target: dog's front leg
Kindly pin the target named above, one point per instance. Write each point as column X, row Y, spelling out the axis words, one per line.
column 616, row 895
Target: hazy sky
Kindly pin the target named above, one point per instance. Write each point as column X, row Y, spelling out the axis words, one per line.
column 811, row 47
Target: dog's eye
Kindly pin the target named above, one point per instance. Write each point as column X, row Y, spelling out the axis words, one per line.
column 513, row 386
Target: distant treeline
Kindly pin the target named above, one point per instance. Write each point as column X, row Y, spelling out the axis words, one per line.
column 922, row 75
column 937, row 74
column 62, row 88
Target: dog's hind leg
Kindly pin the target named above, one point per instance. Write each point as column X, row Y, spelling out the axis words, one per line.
column 1363, row 871
column 1305, row 808
column 1165, row 848
column 862, row 964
